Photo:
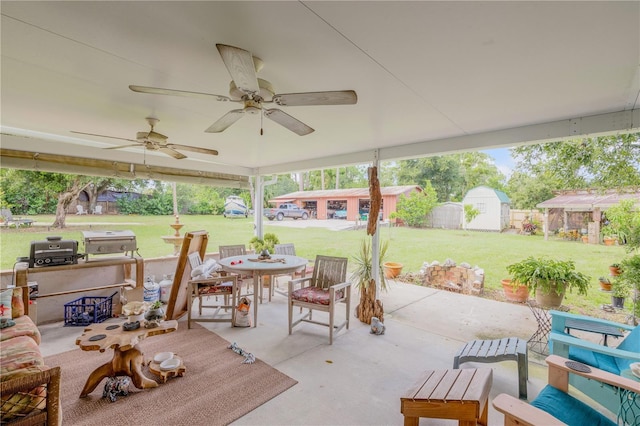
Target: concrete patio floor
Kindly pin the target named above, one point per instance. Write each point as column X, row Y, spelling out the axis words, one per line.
column 359, row 379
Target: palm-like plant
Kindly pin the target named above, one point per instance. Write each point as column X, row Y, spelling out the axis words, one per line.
column 364, row 278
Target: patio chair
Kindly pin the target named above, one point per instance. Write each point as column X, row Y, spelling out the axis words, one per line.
column 237, row 250
column 216, row 286
column 555, row 406
column 9, row 220
column 612, row 360
column 80, row 210
column 289, row 249
column 97, row 210
column 322, row 291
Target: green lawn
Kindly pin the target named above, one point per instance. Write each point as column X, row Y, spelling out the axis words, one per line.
column 411, row 247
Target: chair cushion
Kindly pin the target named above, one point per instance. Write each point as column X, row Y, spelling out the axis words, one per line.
column 315, row 295
column 567, row 409
column 24, row 327
column 222, row 288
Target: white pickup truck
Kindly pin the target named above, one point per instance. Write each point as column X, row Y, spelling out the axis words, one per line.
column 286, row 210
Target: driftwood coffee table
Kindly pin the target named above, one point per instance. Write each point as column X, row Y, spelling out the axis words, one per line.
column 127, row 357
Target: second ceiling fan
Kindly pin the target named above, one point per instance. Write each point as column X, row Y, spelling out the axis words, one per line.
column 254, row 92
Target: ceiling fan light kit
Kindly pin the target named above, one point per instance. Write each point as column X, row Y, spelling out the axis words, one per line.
column 254, row 92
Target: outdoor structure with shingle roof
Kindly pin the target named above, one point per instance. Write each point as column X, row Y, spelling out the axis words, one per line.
column 324, row 204
column 593, row 202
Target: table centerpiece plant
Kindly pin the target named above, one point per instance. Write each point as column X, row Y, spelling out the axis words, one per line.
column 549, row 279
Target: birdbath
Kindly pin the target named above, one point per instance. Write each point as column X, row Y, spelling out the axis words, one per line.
column 175, row 239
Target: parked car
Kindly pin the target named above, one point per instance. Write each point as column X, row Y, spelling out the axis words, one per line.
column 286, row 210
column 340, row 214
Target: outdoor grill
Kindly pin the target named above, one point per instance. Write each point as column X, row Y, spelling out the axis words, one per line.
column 109, row 242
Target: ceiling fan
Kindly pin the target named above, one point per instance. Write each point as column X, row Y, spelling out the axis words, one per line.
column 154, row 141
column 254, row 92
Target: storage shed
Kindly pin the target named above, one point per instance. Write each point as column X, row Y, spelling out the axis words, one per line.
column 350, row 204
column 447, row 215
column 493, row 206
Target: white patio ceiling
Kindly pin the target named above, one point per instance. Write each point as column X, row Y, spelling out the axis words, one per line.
column 431, row 77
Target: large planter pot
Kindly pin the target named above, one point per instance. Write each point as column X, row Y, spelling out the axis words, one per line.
column 614, row 270
column 392, row 269
column 519, row 295
column 608, row 241
column 552, row 299
column 617, row 302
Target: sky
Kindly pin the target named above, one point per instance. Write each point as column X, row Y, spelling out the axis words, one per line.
column 503, row 160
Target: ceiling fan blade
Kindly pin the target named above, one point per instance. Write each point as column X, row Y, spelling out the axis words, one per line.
column 284, row 119
column 172, row 152
column 122, row 146
column 241, row 67
column 340, row 97
column 186, row 94
column 225, row 121
column 153, row 137
column 193, row 149
column 103, row 136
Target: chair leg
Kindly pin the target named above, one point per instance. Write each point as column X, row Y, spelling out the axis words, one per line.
column 331, row 309
column 290, row 314
column 523, row 373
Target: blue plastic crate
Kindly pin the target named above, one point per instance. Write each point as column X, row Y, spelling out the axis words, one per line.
column 87, row 310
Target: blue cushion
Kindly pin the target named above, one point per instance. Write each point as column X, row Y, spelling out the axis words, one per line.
column 630, row 343
column 569, row 410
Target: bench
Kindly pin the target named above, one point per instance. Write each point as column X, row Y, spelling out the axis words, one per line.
column 507, row 349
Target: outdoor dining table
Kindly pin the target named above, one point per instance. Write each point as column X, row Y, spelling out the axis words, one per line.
column 251, row 264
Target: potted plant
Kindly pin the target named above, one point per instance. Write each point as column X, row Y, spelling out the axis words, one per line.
column 268, row 243
column 620, row 289
column 265, row 247
column 615, row 269
column 605, row 284
column 154, row 315
column 364, row 278
column 514, row 291
column 631, row 273
column 549, row 279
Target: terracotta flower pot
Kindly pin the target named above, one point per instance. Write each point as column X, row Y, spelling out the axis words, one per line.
column 392, row 269
column 605, row 286
column 614, row 270
column 519, row 295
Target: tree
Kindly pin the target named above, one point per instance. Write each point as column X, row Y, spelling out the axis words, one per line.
column 68, row 196
column 413, row 210
column 526, row 192
column 605, row 162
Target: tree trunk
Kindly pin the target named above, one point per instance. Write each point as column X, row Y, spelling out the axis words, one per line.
column 369, row 306
column 64, row 201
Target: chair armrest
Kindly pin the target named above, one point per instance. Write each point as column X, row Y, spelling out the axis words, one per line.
column 293, row 283
column 557, row 366
column 340, row 285
column 568, row 340
column 558, row 321
column 518, row 412
column 49, row 378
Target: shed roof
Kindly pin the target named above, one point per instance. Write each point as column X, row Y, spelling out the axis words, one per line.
column 504, row 198
column 587, row 200
column 350, row 192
